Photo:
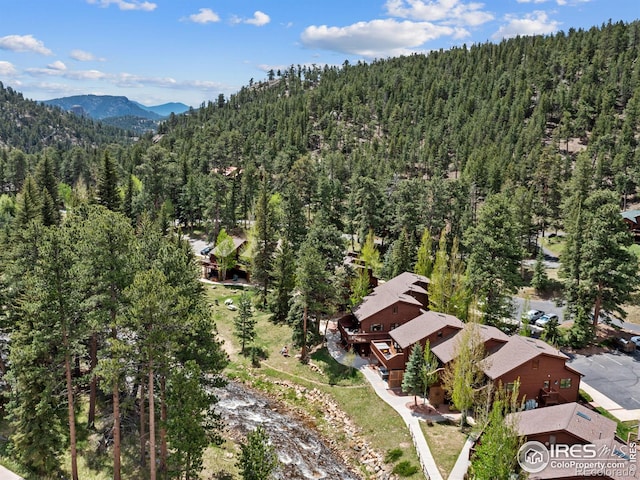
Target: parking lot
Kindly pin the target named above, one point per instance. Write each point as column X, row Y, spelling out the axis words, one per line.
column 614, row 374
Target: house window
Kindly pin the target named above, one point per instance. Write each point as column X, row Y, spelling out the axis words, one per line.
column 394, row 325
column 535, row 364
column 440, row 334
column 552, row 439
column 395, row 309
column 510, row 386
column 565, row 383
column 376, row 327
column 546, row 385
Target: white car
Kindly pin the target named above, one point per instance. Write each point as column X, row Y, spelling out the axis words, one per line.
column 635, row 341
column 544, row 319
column 533, row 315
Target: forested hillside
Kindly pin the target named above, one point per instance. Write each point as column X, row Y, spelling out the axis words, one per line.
column 449, row 164
column 31, row 126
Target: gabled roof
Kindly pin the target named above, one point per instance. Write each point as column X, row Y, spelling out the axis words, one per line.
column 446, row 350
column 421, row 327
column 396, row 290
column 518, row 351
column 573, row 418
column 631, row 215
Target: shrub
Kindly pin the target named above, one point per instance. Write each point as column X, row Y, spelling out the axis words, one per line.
column 405, row 469
column 392, row 455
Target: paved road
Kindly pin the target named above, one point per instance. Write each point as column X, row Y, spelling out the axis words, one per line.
column 615, row 374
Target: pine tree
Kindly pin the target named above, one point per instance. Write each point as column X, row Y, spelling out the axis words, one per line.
column 107, row 185
column 284, row 282
column 429, row 371
column 46, row 180
column 265, row 241
column 245, row 323
column 258, row 459
column 412, row 378
column 540, row 279
column 493, row 267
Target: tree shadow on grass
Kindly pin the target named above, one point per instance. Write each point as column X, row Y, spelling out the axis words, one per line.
column 336, row 372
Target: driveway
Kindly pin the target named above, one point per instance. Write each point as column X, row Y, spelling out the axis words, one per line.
column 614, row 374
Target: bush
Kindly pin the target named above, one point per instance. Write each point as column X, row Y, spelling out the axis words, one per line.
column 392, row 455
column 584, row 396
column 405, row 469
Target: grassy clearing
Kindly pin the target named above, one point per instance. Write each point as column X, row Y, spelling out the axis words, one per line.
column 445, row 441
column 378, row 423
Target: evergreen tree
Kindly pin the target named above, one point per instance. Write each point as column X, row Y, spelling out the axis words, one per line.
column 265, row 241
column 540, row 279
column 315, row 292
column 284, row 282
column 429, row 371
column 412, row 378
column 493, row 267
column 46, row 180
column 401, row 256
column 188, row 424
column 258, row 459
column 107, row 185
column 244, row 323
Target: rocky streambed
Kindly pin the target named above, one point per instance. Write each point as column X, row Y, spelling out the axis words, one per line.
column 302, row 451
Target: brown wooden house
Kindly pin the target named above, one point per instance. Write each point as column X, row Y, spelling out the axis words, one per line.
column 541, row 369
column 210, row 268
column 393, row 353
column 388, row 306
column 632, row 219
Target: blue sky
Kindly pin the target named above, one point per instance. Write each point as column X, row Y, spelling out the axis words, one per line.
column 190, row 51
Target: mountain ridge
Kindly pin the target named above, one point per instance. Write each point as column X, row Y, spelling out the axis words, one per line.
column 100, row 107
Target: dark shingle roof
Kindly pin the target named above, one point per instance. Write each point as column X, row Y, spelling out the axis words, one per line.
column 446, row 350
column 517, row 351
column 422, row 326
column 396, row 290
column 573, row 418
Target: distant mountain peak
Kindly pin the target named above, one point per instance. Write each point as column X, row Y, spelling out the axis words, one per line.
column 100, row 107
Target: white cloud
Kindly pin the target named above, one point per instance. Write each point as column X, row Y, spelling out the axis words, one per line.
column 7, row 69
column 536, row 1
column 82, row 56
column 126, row 5
column 259, row 19
column 57, row 65
column 204, row 15
column 376, row 38
column 536, row 23
column 23, row 43
column 452, row 12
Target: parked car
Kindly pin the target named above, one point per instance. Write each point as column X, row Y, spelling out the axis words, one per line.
column 533, row 315
column 635, row 341
column 625, row 345
column 546, row 318
column 206, row 250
